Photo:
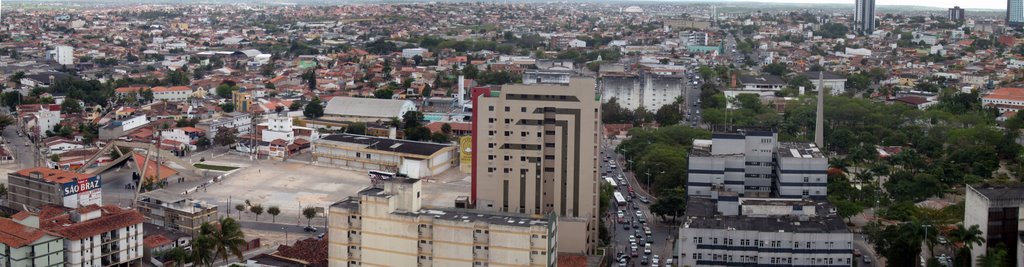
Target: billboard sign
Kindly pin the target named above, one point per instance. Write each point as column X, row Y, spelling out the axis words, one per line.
column 82, row 192
column 81, row 186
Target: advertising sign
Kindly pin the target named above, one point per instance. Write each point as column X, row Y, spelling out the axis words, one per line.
column 81, row 186
column 82, row 192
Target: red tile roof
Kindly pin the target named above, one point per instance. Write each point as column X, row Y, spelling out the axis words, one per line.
column 151, row 168
column 152, row 241
column 1008, row 93
column 572, row 260
column 57, row 220
column 435, row 127
column 52, row 175
column 311, row 251
column 16, row 235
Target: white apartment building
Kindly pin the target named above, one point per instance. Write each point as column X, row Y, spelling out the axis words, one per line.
column 731, row 231
column 23, row 244
column 278, row 127
column 688, row 38
column 835, row 83
column 1005, row 99
column 386, row 225
column 413, row 52
column 650, row 88
column 173, row 93
column 752, row 163
column 64, row 55
column 93, row 235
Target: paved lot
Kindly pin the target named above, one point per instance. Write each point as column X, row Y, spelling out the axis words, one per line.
column 292, row 186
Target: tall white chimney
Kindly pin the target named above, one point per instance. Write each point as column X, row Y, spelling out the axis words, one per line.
column 462, row 91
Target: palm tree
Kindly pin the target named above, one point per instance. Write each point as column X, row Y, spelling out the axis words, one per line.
column 227, row 238
column 202, row 245
column 969, row 237
column 995, row 257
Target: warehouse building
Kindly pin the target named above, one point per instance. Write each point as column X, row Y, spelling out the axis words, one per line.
column 411, row 158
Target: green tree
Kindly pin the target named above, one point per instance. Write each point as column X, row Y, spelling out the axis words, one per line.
column 383, row 93
column 314, row 109
column 225, row 136
column 71, row 106
column 670, row 204
column 228, row 238
column 5, row 120
column 227, row 107
column 847, row 208
column 147, row 95
column 412, row 119
column 470, row 71
column 256, row 209
column 179, row 255
column 777, row 69
column 16, row 78
column 668, row 115
column 202, row 250
column 273, row 211
column 439, row 137
column 899, row 244
column 446, row 129
column 224, row 90
column 240, row 208
column 309, row 77
column 309, row 213
column 994, row 257
column 969, row 237
column 356, row 128
column 296, row 105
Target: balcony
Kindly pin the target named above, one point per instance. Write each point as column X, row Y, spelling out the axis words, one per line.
column 480, row 255
column 354, row 254
column 426, row 249
column 354, row 238
column 355, row 223
column 425, row 233
column 480, row 238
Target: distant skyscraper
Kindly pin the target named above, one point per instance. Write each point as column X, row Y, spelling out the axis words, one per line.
column 1015, row 12
column 864, row 16
column 956, row 14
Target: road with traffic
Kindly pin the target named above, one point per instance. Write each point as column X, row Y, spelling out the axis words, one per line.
column 638, row 226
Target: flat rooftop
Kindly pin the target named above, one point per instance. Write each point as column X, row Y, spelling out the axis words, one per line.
column 453, row 214
column 702, row 213
column 387, row 144
column 799, row 150
column 1003, row 193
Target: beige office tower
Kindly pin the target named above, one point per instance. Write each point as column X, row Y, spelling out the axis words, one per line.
column 535, row 152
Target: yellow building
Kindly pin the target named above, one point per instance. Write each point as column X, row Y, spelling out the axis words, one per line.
column 242, row 100
column 385, row 225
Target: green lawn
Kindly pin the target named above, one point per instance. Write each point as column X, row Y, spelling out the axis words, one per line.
column 214, row 167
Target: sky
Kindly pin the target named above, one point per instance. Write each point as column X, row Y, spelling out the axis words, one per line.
column 981, row 4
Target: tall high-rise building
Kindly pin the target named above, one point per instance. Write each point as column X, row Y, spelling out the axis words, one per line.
column 864, row 17
column 997, row 211
column 956, row 14
column 1015, row 12
column 535, row 152
column 64, row 55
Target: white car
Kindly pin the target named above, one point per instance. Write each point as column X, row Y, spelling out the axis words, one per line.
column 655, row 260
column 647, row 248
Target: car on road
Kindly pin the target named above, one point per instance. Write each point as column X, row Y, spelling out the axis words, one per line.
column 668, row 262
column 647, row 248
column 867, row 259
column 639, row 213
column 643, row 220
column 309, row 229
column 856, row 253
column 632, row 239
column 643, row 261
column 625, row 226
column 647, row 230
column 655, row 260
column 644, row 200
column 623, row 262
column 633, row 253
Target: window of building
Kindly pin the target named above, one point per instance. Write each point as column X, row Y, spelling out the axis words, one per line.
column 806, row 179
column 806, row 193
column 508, row 109
column 508, row 121
column 490, row 108
column 522, row 109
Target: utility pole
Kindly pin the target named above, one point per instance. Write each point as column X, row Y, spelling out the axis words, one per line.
column 819, row 121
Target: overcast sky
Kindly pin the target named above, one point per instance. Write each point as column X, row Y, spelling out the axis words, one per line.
column 984, row 4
